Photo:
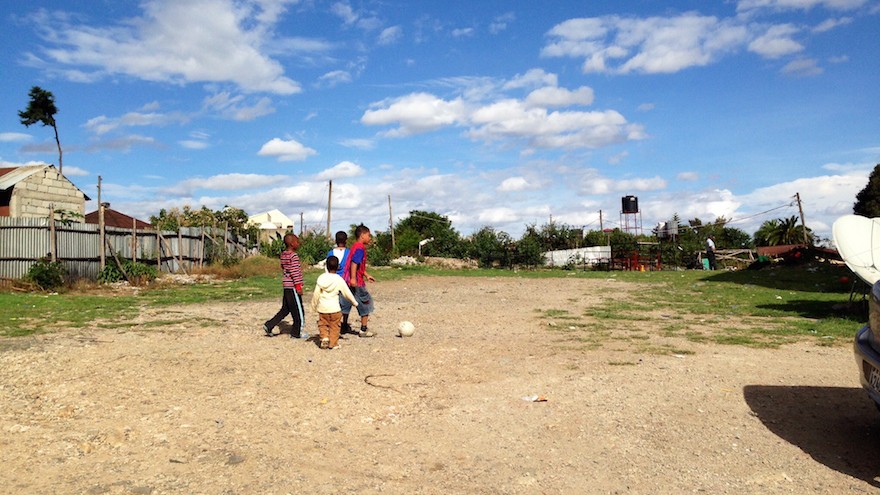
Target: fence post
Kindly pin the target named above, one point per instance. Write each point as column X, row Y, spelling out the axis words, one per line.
column 158, row 251
column 53, row 255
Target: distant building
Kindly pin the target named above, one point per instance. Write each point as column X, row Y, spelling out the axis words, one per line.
column 273, row 224
column 34, row 190
column 113, row 218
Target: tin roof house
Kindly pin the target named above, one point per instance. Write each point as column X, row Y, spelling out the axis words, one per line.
column 35, row 190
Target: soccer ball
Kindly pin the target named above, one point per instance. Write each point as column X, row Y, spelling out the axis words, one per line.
column 405, row 329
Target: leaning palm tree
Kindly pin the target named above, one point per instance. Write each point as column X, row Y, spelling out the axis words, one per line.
column 781, row 231
column 42, row 109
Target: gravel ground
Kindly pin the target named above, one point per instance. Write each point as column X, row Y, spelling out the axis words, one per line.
column 193, row 399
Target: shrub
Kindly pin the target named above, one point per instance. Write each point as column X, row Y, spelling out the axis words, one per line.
column 138, row 273
column 47, row 275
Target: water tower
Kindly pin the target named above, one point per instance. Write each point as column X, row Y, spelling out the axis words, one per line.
column 631, row 217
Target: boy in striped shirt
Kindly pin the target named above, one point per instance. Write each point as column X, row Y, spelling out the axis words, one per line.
column 293, row 287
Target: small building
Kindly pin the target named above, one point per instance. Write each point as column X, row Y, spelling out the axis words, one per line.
column 273, row 224
column 33, row 191
column 113, row 218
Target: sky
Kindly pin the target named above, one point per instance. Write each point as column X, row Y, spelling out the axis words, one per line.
column 494, row 113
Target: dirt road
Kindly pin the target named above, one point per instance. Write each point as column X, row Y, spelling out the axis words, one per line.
column 204, row 404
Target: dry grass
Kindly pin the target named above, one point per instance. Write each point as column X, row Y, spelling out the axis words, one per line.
column 254, row 266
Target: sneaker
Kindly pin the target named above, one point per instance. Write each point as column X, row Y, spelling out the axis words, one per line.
column 344, row 329
column 365, row 332
column 302, row 336
column 337, row 346
column 325, row 343
column 268, row 332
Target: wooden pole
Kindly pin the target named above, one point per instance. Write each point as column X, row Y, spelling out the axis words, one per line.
column 300, row 224
column 803, row 222
column 134, row 240
column 179, row 250
column 329, row 206
column 101, row 233
column 202, row 250
column 53, row 255
column 391, row 222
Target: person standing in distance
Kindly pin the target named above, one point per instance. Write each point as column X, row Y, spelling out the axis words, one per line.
column 710, row 251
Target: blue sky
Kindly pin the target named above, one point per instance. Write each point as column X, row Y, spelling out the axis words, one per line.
column 498, row 113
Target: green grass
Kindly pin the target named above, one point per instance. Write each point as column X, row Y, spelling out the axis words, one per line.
column 768, row 307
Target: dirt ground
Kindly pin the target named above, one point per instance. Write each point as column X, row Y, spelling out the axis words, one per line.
column 205, row 404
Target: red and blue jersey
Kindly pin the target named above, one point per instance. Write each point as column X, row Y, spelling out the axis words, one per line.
column 357, row 254
column 290, row 265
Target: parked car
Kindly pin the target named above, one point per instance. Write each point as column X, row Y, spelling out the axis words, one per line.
column 867, row 348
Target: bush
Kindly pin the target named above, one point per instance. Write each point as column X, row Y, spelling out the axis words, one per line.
column 138, row 273
column 47, row 275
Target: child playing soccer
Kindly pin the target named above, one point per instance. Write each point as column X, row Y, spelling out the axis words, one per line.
column 356, row 276
column 292, row 282
column 329, row 289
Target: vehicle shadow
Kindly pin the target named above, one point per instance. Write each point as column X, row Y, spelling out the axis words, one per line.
column 838, row 427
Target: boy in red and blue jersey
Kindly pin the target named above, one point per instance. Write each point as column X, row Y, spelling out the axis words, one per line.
column 356, row 276
column 292, row 282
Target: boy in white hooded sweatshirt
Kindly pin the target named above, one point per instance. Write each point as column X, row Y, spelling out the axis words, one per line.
column 325, row 302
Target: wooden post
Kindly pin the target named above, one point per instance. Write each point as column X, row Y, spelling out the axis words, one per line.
column 158, row 251
column 202, row 249
column 118, row 263
column 101, row 235
column 329, row 205
column 53, row 255
column 797, row 195
column 391, row 222
column 300, row 224
column 134, row 240
column 179, row 249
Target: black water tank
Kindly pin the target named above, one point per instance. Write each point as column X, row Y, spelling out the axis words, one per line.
column 630, row 204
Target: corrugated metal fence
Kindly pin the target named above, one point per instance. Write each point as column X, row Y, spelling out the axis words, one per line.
column 78, row 245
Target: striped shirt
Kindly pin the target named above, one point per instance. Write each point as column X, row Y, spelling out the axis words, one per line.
column 293, row 276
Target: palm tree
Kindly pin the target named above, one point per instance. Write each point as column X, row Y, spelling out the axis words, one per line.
column 781, row 231
column 41, row 108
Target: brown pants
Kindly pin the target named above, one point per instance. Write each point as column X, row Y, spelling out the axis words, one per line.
column 329, row 325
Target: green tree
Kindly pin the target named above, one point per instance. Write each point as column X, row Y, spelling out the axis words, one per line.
column 447, row 241
column 490, row 248
column 868, row 199
column 782, row 231
column 41, row 108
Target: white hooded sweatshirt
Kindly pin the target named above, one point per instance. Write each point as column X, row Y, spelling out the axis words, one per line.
column 327, row 290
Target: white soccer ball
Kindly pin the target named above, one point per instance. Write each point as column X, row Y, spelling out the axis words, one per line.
column 406, row 329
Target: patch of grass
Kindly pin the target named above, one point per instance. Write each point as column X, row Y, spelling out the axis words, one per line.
column 622, row 363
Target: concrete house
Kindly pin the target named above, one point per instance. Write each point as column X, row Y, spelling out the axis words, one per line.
column 273, row 224
column 33, row 190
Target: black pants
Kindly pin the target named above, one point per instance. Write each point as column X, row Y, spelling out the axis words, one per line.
column 711, row 256
column 291, row 304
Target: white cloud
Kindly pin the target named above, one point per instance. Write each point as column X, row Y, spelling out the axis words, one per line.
column 390, row 35
column 533, row 78
column 462, row 32
column 341, row 170
column 501, row 22
column 193, row 144
column 688, row 176
column 11, row 137
column 650, row 45
column 513, row 184
column 362, row 144
column 103, row 124
column 802, row 67
column 332, row 78
column 235, row 107
column 415, row 113
column 746, row 5
column 776, row 42
column 175, row 42
column 71, row 171
column 286, row 151
column 646, row 107
column 829, row 24
column 559, row 97
column 224, row 182
column 498, row 215
column 619, row 157
column 596, row 184
column 123, row 143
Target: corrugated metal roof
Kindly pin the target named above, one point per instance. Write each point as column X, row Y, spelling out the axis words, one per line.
column 13, row 176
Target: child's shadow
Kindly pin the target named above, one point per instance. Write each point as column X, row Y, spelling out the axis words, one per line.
column 286, row 328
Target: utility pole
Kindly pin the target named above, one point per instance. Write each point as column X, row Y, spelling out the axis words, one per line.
column 391, row 222
column 300, row 224
column 103, row 248
column 329, row 204
column 797, row 196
